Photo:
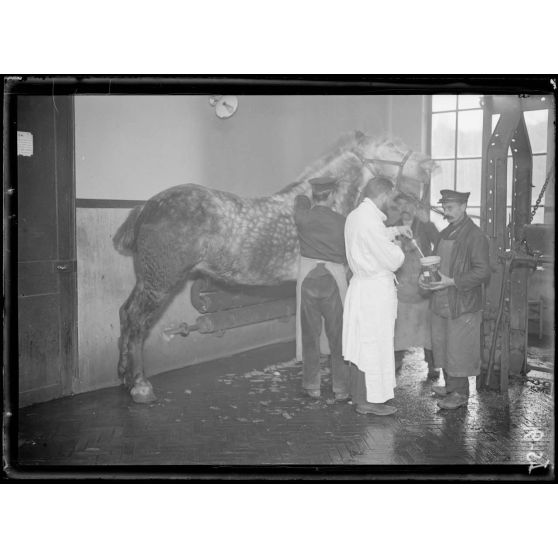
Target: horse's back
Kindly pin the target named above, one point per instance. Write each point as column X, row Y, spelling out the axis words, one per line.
column 178, row 203
column 245, row 240
column 198, row 206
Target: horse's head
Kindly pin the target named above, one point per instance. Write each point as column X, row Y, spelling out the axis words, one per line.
column 356, row 158
column 409, row 170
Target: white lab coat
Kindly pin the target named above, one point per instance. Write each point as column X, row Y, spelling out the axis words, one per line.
column 371, row 301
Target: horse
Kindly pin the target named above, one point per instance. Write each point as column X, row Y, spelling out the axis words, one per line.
column 190, row 229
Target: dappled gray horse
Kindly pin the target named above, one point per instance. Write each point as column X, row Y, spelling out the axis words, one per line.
column 190, row 229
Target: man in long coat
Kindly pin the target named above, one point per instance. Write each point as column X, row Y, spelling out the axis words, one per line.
column 457, row 301
column 371, row 300
column 412, row 326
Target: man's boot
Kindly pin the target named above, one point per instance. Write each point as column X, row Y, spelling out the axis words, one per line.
column 441, row 391
column 380, row 409
column 453, row 401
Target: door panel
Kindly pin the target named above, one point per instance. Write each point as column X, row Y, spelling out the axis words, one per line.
column 39, row 360
column 46, row 250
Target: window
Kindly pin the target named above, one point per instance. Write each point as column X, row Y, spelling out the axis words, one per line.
column 457, row 148
column 456, row 145
column 537, row 126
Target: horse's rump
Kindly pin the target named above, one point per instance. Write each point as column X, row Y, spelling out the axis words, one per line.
column 188, row 203
column 124, row 240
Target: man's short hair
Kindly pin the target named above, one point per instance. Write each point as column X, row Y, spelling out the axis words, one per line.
column 377, row 186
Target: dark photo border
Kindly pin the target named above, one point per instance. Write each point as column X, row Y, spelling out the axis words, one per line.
column 239, row 85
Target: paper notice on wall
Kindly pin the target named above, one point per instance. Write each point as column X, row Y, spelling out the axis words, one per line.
column 25, row 144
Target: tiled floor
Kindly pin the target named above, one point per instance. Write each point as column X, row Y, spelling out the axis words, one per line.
column 249, row 410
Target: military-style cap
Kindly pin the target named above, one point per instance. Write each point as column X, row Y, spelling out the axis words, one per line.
column 323, row 184
column 453, row 196
column 405, row 197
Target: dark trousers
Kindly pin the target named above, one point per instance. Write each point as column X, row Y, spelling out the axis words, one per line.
column 429, row 359
column 320, row 298
column 357, row 385
column 457, row 384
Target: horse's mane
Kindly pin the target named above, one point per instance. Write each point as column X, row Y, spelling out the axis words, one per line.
column 353, row 141
column 350, row 141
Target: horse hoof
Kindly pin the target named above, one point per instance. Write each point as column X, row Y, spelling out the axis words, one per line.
column 143, row 393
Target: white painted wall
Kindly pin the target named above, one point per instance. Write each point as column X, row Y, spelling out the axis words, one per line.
column 131, row 147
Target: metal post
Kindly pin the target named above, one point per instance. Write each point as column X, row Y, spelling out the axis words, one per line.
column 520, row 216
column 493, row 210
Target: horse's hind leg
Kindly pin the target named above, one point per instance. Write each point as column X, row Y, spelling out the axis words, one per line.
column 124, row 369
column 138, row 315
column 162, row 265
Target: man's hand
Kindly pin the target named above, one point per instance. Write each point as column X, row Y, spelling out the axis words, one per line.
column 422, row 284
column 444, row 283
column 405, row 230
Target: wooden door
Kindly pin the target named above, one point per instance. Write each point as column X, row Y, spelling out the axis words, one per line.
column 47, row 324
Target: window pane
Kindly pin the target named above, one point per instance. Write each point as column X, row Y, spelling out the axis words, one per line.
column 539, row 176
column 469, row 179
column 469, row 134
column 509, row 178
column 537, row 122
column 539, row 215
column 495, row 118
column 443, row 135
column 474, row 211
column 442, row 179
column 469, row 101
column 508, row 221
column 444, row 102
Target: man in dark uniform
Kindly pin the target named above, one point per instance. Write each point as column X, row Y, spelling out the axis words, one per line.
column 412, row 326
column 322, row 285
column 457, row 300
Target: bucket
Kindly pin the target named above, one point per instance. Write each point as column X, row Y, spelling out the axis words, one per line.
column 429, row 269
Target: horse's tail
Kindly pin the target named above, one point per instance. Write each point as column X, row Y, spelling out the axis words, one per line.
column 125, row 238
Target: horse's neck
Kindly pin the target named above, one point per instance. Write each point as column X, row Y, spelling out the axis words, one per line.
column 335, row 167
column 347, row 163
column 288, row 194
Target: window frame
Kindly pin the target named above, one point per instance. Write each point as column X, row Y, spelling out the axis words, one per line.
column 490, row 120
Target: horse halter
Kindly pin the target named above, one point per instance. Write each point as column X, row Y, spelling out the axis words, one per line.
column 401, row 164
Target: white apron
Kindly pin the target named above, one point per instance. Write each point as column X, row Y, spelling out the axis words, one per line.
column 305, row 266
column 371, row 300
column 412, row 326
column 368, row 330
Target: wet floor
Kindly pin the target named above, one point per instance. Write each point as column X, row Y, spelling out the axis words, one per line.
column 249, row 410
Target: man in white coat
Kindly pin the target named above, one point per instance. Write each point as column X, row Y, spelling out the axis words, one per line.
column 371, row 301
